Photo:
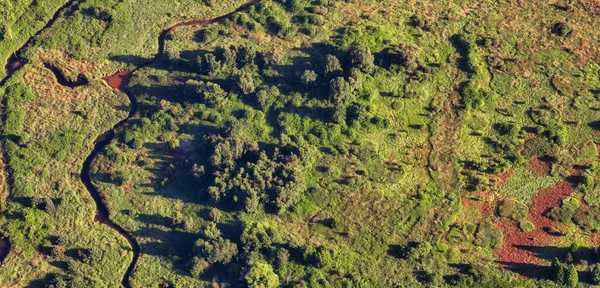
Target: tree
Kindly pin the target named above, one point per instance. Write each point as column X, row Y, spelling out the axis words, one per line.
column 559, row 271
column 216, row 250
column 339, row 90
column 257, row 235
column 245, row 82
column 261, row 275
column 308, row 77
column 209, row 64
column 339, row 94
column 210, row 93
column 361, row 57
column 333, row 67
column 215, row 214
column 228, row 57
column 572, row 276
column 596, row 275
column 246, row 56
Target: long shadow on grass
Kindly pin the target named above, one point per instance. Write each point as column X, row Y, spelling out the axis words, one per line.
column 550, row 252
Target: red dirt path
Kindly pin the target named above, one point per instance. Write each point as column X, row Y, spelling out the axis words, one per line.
column 514, row 237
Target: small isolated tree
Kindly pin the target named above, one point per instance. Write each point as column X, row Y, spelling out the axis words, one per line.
column 361, row 57
column 261, row 275
column 210, row 93
column 559, row 271
column 209, row 64
column 333, row 67
column 572, row 276
column 596, row 275
column 308, row 77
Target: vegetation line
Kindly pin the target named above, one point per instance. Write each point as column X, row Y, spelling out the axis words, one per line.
column 102, row 214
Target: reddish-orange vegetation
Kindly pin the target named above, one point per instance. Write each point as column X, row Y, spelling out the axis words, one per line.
column 539, row 167
column 119, row 80
column 515, row 240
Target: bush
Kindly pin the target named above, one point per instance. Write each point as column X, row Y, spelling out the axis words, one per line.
column 513, row 209
column 526, row 226
column 566, row 211
column 210, row 93
column 261, row 275
column 488, row 235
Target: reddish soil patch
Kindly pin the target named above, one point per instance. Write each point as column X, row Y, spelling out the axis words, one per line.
column 479, row 201
column 540, row 167
column 119, row 80
column 514, row 249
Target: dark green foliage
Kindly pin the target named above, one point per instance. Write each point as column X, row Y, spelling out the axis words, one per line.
column 596, row 275
column 333, row 67
column 208, row 92
column 207, row 34
column 258, row 235
column 361, row 57
column 394, row 57
column 560, row 272
column 475, row 91
column 555, row 132
column 561, row 29
column 277, row 181
column 508, row 129
column 340, row 93
column 209, row 64
column 571, row 277
column 216, row 250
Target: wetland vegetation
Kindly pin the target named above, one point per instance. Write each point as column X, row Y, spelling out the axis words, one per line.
column 299, row 143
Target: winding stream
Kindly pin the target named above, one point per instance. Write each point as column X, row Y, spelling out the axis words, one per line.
column 119, row 82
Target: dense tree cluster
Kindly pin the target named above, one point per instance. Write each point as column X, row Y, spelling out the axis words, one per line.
column 248, row 177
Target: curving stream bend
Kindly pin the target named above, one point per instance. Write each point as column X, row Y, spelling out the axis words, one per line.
column 120, row 81
column 117, row 81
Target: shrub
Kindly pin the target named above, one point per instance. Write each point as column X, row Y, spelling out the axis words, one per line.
column 488, row 235
column 526, row 226
column 513, row 209
column 261, row 275
column 308, row 77
column 561, row 29
column 210, row 93
column 566, row 211
column 361, row 57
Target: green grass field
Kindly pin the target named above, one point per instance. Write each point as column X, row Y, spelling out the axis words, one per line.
column 305, row 143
